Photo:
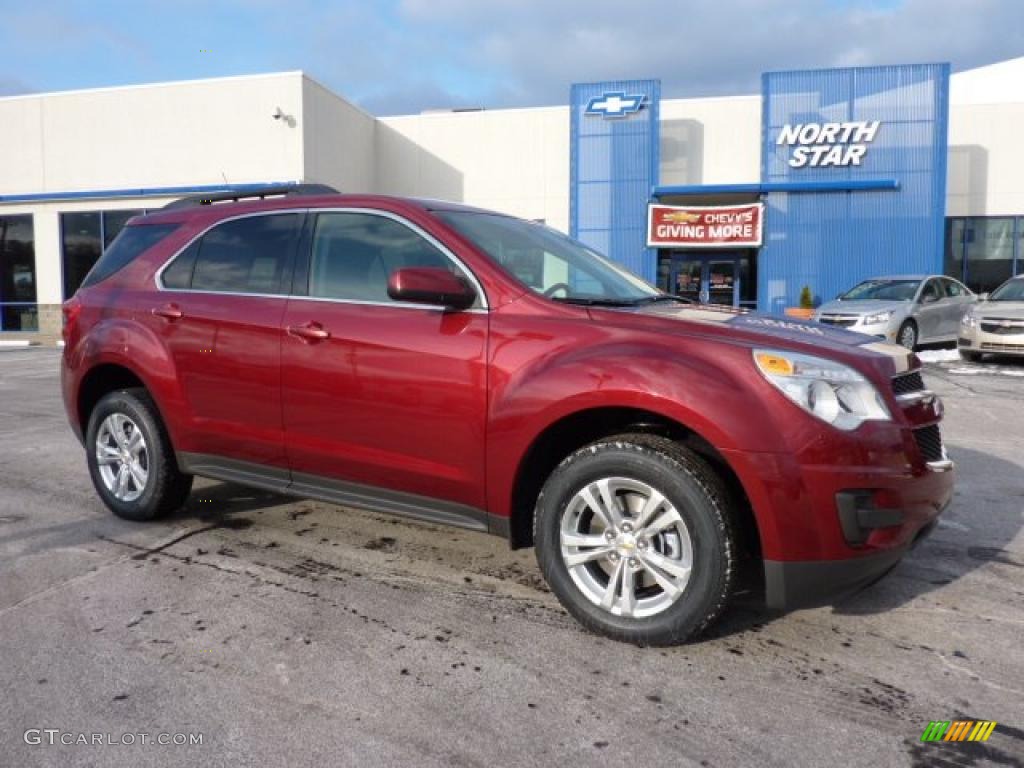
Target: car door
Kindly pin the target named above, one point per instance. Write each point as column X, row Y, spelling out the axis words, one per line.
column 929, row 312
column 379, row 393
column 219, row 313
column 960, row 299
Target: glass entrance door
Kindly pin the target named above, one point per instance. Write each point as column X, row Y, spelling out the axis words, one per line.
column 720, row 279
column 688, row 279
column 712, row 279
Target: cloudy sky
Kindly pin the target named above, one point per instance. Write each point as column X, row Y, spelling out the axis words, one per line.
column 397, row 56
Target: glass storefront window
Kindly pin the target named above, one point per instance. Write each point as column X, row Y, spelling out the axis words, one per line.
column 18, row 310
column 984, row 251
column 113, row 223
column 85, row 235
column 82, row 246
column 988, row 246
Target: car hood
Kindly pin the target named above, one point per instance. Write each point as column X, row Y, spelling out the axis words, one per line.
column 863, row 307
column 1013, row 310
column 761, row 329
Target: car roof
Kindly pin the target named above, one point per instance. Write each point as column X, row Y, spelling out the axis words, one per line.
column 902, row 277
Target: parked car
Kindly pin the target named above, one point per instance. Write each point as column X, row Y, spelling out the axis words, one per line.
column 996, row 324
column 460, row 366
column 907, row 309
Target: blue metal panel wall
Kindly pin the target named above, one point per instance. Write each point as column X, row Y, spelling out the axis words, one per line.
column 613, row 166
column 832, row 240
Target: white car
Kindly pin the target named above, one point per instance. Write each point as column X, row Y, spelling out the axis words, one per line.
column 996, row 324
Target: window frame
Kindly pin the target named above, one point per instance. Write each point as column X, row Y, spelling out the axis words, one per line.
column 303, row 252
column 284, row 284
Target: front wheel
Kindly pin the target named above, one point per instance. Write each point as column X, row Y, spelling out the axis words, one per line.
column 634, row 535
column 130, row 458
column 970, row 357
column 907, row 335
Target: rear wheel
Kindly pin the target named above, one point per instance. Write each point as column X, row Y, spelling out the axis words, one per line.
column 130, row 458
column 634, row 536
column 907, row 335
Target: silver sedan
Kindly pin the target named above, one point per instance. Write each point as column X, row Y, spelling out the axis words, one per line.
column 996, row 324
column 906, row 309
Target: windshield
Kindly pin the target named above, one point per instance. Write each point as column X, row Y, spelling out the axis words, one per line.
column 1011, row 290
column 883, row 290
column 550, row 263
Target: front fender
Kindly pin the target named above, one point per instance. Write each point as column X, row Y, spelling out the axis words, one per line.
column 707, row 388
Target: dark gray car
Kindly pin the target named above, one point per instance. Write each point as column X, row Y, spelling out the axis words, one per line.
column 905, row 309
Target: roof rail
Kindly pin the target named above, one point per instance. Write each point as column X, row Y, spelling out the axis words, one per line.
column 283, row 190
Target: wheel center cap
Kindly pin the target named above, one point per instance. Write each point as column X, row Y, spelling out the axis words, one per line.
column 626, row 544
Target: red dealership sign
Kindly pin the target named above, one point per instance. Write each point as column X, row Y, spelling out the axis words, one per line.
column 736, row 226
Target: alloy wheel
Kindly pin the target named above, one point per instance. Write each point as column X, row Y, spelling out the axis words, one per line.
column 122, row 457
column 626, row 547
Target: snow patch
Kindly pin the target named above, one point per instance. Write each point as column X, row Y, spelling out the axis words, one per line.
column 938, row 355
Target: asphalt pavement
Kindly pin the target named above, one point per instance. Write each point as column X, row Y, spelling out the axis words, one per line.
column 283, row 632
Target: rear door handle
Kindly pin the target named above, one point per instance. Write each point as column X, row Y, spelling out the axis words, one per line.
column 169, row 312
column 309, row 332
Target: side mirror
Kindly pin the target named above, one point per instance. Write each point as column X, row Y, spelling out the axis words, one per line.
column 431, row 285
column 983, row 296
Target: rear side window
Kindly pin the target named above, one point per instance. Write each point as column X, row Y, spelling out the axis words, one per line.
column 247, row 255
column 131, row 243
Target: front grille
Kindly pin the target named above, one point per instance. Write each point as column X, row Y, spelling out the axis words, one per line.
column 992, row 347
column 907, row 382
column 1002, row 327
column 929, row 442
column 844, row 321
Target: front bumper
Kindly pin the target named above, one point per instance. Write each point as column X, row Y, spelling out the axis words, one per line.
column 976, row 340
column 806, row 584
column 839, row 523
column 886, row 331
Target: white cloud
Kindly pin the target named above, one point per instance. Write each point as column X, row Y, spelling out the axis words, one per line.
column 528, row 52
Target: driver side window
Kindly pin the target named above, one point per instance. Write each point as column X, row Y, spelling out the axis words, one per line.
column 354, row 254
column 931, row 292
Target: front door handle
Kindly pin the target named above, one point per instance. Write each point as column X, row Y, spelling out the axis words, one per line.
column 309, row 332
column 169, row 312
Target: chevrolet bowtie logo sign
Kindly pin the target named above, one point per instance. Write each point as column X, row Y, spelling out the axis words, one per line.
column 615, row 104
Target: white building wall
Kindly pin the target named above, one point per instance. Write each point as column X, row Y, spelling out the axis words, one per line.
column 338, row 141
column 513, row 160
column 986, row 160
column 167, row 134
column 711, row 141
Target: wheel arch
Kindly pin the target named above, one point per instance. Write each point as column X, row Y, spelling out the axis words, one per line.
column 582, row 427
column 102, row 379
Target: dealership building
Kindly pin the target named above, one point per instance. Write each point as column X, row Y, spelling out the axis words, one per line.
column 822, row 179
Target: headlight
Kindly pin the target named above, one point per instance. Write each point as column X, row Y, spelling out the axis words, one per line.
column 969, row 321
column 880, row 317
column 833, row 392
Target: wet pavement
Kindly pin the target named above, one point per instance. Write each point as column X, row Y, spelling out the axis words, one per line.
column 299, row 633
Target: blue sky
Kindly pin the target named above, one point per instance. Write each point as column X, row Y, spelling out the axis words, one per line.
column 394, row 56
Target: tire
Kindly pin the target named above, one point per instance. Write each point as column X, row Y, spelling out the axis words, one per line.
column 153, row 485
column 907, row 335
column 628, row 464
column 970, row 357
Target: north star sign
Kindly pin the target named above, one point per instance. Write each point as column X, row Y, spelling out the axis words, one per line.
column 615, row 104
column 827, row 145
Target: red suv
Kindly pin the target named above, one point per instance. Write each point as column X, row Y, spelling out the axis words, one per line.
column 460, row 366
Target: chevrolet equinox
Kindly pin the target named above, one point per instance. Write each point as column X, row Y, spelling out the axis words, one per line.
column 465, row 367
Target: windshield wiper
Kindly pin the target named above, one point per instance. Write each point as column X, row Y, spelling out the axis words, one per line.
column 663, row 297
column 594, row 302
